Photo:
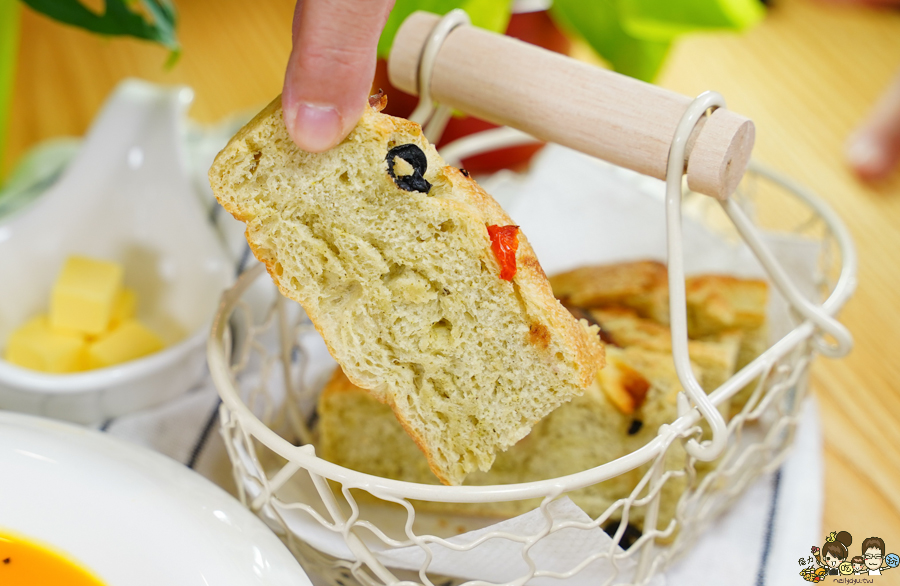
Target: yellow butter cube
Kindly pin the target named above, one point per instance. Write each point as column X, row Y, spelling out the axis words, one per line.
column 128, row 341
column 38, row 346
column 84, row 295
column 35, row 324
column 124, row 306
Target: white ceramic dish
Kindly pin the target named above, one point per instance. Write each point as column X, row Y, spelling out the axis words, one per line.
column 131, row 516
column 125, row 197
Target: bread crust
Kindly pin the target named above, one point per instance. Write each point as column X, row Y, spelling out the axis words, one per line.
column 530, row 276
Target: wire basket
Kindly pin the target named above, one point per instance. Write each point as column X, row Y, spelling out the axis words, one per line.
column 345, row 526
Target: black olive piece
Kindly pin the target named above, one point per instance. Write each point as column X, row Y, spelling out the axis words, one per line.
column 413, row 155
column 636, row 425
column 629, row 536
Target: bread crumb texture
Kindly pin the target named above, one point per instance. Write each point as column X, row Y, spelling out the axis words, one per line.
column 622, row 411
column 404, row 288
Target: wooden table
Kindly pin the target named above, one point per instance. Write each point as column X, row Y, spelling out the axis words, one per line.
column 806, row 76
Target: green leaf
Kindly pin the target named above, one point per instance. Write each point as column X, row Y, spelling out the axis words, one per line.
column 172, row 59
column 118, row 19
column 492, row 15
column 599, row 25
column 489, row 14
column 164, row 17
column 663, row 20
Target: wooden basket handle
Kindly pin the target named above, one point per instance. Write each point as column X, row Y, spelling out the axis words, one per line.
column 558, row 99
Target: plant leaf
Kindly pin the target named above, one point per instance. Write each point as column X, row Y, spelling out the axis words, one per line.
column 117, row 19
column 489, row 14
column 492, row 15
column 663, row 20
column 165, row 19
column 599, row 25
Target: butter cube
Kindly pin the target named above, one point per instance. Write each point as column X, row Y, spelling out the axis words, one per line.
column 124, row 306
column 38, row 346
column 128, row 341
column 84, row 295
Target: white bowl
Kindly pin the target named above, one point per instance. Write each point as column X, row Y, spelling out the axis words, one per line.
column 126, row 197
column 131, row 516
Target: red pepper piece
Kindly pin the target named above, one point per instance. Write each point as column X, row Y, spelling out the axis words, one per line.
column 504, row 243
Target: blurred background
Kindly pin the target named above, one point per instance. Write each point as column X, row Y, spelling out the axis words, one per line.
column 807, row 72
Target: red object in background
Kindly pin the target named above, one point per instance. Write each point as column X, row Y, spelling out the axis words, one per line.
column 505, row 243
column 532, row 27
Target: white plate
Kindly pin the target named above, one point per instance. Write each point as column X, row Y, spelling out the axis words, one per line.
column 131, row 516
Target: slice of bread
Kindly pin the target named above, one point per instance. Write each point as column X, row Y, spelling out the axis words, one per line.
column 719, row 307
column 388, row 251
column 621, row 411
column 716, row 356
column 357, row 432
column 717, row 302
column 641, row 285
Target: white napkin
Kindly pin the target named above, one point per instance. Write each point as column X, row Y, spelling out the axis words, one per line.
column 502, row 561
column 756, row 543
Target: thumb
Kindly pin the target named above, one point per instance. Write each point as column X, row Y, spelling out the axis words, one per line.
column 873, row 150
column 330, row 70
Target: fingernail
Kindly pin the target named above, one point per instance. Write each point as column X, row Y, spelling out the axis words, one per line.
column 314, row 128
column 866, row 154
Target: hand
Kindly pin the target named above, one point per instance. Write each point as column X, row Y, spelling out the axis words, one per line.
column 873, row 149
column 330, row 70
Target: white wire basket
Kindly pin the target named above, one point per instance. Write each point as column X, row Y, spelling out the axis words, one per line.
column 349, row 527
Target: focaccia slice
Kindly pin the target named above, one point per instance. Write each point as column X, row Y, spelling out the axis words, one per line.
column 395, row 258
